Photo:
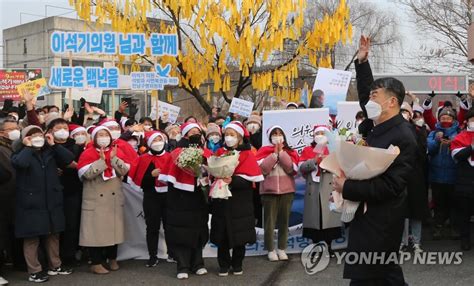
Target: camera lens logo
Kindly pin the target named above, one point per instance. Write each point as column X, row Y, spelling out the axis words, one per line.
column 315, row 258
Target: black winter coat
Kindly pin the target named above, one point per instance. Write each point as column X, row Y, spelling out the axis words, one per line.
column 69, row 178
column 39, row 195
column 233, row 219
column 464, row 173
column 380, row 228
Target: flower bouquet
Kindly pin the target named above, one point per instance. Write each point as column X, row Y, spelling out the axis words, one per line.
column 358, row 162
column 221, row 167
column 190, row 160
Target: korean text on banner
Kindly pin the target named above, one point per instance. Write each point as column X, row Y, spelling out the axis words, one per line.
column 346, row 112
column 172, row 110
column 37, row 87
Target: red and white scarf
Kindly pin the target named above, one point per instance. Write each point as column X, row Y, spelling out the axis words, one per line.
column 266, row 151
column 91, row 155
column 310, row 153
column 461, row 141
column 139, row 168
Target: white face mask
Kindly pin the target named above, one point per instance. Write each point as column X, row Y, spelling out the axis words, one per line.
column 146, row 127
column 277, row 139
column 14, row 135
column 115, row 134
column 158, row 146
column 253, row 127
column 80, row 139
column 231, row 141
column 61, row 134
column 470, row 126
column 103, row 141
column 215, row 139
column 37, row 142
column 54, row 113
column 374, row 110
column 320, row 139
column 178, row 137
column 420, row 122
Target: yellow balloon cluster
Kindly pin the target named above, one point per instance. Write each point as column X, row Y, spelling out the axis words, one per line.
column 227, row 40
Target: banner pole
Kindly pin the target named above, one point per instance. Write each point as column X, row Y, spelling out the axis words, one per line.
column 70, row 89
column 113, row 92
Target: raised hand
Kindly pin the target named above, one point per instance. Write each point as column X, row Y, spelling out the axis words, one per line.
column 123, row 105
column 113, row 153
column 88, row 108
column 155, row 173
column 364, row 48
column 102, row 154
column 68, row 114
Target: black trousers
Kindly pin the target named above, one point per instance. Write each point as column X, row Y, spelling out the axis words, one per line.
column 154, row 207
column 226, row 261
column 69, row 242
column 188, row 259
column 99, row 255
column 443, row 199
column 462, row 215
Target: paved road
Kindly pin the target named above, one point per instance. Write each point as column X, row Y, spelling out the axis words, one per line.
column 258, row 271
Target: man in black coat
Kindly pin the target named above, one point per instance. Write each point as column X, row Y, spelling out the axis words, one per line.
column 379, row 229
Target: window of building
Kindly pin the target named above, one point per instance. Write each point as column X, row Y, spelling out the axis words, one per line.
column 24, row 47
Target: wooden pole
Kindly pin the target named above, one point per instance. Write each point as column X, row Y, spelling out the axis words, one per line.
column 113, row 91
column 70, row 89
column 158, row 110
column 146, row 102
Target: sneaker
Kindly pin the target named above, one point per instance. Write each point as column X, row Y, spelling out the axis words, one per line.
column 38, row 277
column 201, row 271
column 3, row 281
column 152, row 262
column 237, row 271
column 417, row 248
column 170, row 260
column 223, row 272
column 272, row 256
column 182, row 276
column 59, row 271
column 282, row 255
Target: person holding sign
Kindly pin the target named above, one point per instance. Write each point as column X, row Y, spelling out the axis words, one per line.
column 101, row 167
column 319, row 223
column 233, row 222
column 279, row 164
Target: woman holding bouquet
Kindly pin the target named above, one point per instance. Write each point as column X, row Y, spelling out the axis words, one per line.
column 233, row 222
column 144, row 176
column 187, row 211
column 319, row 223
column 101, row 167
column 279, row 164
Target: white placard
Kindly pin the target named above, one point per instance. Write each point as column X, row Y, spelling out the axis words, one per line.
column 241, row 107
column 91, row 95
column 346, row 112
column 172, row 110
column 297, row 124
column 334, row 84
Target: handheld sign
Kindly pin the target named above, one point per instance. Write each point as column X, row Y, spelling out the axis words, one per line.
column 332, row 86
column 241, row 107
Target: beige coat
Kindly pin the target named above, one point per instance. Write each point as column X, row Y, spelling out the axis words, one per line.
column 102, row 221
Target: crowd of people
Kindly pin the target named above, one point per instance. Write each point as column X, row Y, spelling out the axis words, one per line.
column 61, row 176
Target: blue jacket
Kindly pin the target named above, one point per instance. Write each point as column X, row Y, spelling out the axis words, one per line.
column 442, row 165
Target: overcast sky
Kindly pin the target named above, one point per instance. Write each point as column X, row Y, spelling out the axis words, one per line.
column 16, row 12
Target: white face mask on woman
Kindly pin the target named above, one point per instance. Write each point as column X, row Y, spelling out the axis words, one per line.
column 470, row 126
column 253, row 127
column 80, row 139
column 157, row 146
column 320, row 139
column 231, row 141
column 14, row 135
column 215, row 139
column 103, row 141
column 115, row 134
column 277, row 139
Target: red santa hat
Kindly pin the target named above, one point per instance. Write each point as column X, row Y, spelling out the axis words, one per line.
column 269, row 130
column 188, row 126
column 239, row 128
column 107, row 122
column 90, row 129
column 74, row 128
column 150, row 136
column 97, row 129
column 291, row 104
column 319, row 128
